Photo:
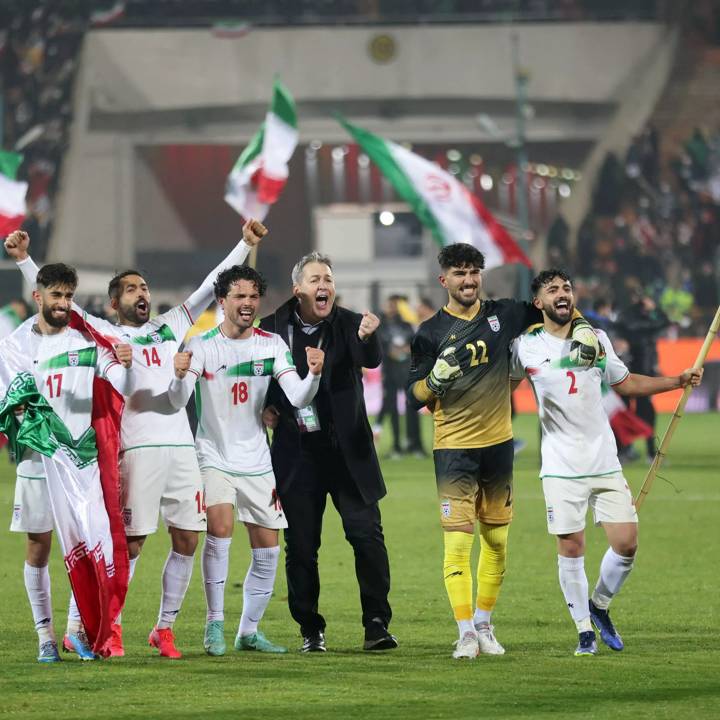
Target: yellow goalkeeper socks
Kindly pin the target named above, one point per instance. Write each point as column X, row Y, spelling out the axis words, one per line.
column 457, row 574
column 491, row 569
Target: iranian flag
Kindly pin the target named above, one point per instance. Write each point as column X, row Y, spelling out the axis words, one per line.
column 442, row 203
column 261, row 171
column 12, row 193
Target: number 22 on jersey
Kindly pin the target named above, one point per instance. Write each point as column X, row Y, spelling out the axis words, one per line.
column 483, row 355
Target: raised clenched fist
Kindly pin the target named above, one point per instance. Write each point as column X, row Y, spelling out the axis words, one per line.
column 253, row 231
column 16, row 245
column 181, row 362
column 315, row 360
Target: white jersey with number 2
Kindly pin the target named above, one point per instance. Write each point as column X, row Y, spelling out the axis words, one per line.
column 576, row 437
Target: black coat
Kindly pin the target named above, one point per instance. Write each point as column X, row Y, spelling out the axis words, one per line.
column 342, row 381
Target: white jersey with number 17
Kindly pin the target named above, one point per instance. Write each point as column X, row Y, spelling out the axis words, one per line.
column 576, row 437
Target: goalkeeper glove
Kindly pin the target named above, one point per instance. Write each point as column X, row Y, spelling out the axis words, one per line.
column 444, row 373
column 585, row 348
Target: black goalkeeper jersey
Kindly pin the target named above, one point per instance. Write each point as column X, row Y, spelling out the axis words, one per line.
column 475, row 411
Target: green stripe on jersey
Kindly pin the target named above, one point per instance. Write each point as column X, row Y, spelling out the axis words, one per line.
column 161, row 335
column 211, row 333
column 253, row 368
column 85, row 357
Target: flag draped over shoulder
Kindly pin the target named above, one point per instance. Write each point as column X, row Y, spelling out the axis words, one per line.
column 261, row 171
column 82, row 485
column 442, row 203
column 12, row 193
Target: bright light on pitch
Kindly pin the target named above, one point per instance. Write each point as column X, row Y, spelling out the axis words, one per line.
column 387, row 218
column 486, row 182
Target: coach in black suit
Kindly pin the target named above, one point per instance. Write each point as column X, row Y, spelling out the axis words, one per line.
column 327, row 449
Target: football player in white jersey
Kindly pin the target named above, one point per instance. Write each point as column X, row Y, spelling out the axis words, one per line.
column 159, row 472
column 64, row 362
column 579, row 454
column 230, row 368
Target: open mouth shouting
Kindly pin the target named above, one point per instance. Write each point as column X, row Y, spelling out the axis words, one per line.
column 562, row 306
column 142, row 307
column 246, row 315
column 323, row 302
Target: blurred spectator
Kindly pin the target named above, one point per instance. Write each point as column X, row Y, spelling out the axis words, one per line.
column 640, row 325
column 12, row 315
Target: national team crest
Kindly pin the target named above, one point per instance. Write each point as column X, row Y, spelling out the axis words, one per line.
column 155, row 337
column 258, row 367
column 445, row 507
column 494, row 323
column 73, row 359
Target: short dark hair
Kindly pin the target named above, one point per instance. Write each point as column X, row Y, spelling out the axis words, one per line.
column 115, row 285
column 546, row 276
column 57, row 274
column 234, row 274
column 461, row 255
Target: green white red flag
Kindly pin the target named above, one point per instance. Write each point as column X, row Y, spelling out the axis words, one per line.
column 442, row 203
column 261, row 171
column 12, row 193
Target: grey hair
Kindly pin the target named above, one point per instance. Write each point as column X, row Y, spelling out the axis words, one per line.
column 312, row 257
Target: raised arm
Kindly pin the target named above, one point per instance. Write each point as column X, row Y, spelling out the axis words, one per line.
column 253, row 232
column 301, row 392
column 183, row 382
column 117, row 367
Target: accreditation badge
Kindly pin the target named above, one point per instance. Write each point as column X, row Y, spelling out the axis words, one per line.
column 307, row 418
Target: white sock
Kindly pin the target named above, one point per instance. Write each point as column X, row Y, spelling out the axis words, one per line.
column 175, row 580
column 37, row 584
column 465, row 626
column 258, row 587
column 574, row 584
column 482, row 616
column 614, row 570
column 74, row 622
column 131, row 572
column 215, row 559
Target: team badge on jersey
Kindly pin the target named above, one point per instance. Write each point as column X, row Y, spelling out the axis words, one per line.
column 258, row 367
column 127, row 516
column 494, row 323
column 156, row 337
column 550, row 513
column 73, row 358
column 17, row 512
column 445, row 508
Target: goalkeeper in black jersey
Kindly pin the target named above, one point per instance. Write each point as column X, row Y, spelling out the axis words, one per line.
column 460, row 369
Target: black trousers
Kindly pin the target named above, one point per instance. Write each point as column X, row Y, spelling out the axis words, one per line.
column 322, row 471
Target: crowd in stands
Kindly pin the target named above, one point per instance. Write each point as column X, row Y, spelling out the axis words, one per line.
column 39, row 49
column 654, row 232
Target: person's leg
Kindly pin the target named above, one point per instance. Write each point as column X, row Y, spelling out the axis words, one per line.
column 645, row 410
column 566, row 507
column 363, row 530
column 182, row 508
column 456, row 476
column 304, row 505
column 37, row 586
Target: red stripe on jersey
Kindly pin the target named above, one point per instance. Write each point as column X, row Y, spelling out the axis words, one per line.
column 262, row 333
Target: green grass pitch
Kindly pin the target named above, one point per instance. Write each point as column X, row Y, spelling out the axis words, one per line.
column 667, row 614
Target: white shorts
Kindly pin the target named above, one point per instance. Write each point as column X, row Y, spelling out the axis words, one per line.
column 566, row 502
column 254, row 496
column 164, row 480
column 32, row 512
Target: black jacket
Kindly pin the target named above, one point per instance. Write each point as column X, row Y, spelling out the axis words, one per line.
column 641, row 328
column 341, row 382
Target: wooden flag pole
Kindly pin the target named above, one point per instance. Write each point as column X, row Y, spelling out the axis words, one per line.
column 677, row 415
